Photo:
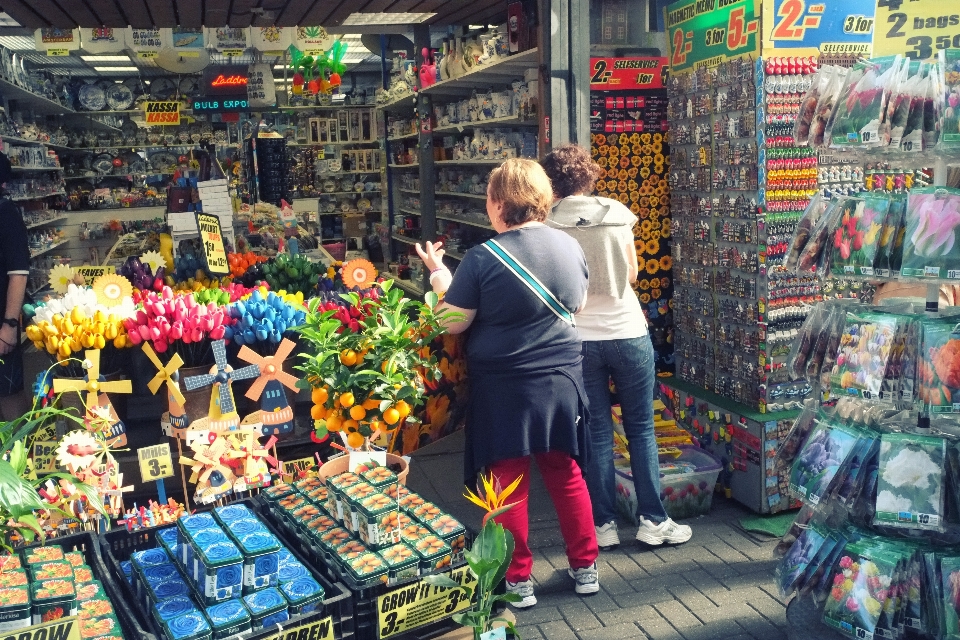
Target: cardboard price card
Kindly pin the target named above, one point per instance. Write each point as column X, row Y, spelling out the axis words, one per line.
column 609, row 74
column 45, row 456
column 704, row 33
column 62, row 629
column 420, row 603
column 319, row 630
column 917, row 29
column 165, row 114
column 812, row 28
column 92, row 273
column 211, row 238
column 155, row 462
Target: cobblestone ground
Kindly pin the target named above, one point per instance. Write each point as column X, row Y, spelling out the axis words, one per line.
column 717, row 585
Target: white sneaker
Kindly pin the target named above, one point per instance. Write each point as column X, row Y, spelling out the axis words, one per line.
column 667, row 531
column 525, row 591
column 607, row 538
column 588, row 579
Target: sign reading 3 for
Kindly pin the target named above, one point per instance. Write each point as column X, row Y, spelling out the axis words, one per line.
column 708, row 32
column 811, row 28
column 916, row 28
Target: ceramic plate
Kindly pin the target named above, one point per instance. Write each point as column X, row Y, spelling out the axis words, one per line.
column 162, row 161
column 91, row 97
column 163, row 88
column 364, row 205
column 190, row 86
column 119, row 97
column 103, row 163
column 104, row 84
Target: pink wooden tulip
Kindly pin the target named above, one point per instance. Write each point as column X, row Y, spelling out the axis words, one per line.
column 134, row 337
column 159, row 346
column 144, row 331
column 176, row 330
column 216, row 333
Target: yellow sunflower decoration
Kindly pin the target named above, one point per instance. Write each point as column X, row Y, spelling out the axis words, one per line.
column 666, row 262
column 652, row 266
column 111, row 289
column 644, row 284
column 655, row 283
column 60, row 277
column 653, row 246
column 644, row 298
column 655, row 292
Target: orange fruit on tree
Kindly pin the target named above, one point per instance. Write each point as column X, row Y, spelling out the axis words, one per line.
column 346, row 400
column 370, row 404
column 391, row 416
column 355, row 440
column 350, row 425
column 319, row 396
column 403, row 408
column 357, row 412
column 348, row 357
column 334, row 422
column 318, row 412
column 375, row 424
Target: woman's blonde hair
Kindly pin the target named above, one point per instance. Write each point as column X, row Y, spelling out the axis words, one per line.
column 523, row 189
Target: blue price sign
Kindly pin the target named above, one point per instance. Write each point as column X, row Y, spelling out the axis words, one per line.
column 802, row 28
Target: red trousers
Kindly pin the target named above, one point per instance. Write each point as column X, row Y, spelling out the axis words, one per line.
column 568, row 490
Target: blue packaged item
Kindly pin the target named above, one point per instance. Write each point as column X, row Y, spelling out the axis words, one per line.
column 268, row 607
column 228, row 513
column 172, row 588
column 292, row 571
column 228, row 618
column 172, row 607
column 189, row 626
column 186, row 526
column 139, row 560
column 304, row 595
column 167, row 538
column 261, row 560
column 244, row 526
column 284, row 556
column 201, row 540
column 152, row 576
column 127, row 568
column 219, row 572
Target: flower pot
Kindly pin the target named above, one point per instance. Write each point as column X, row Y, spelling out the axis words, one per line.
column 466, row 633
column 339, row 465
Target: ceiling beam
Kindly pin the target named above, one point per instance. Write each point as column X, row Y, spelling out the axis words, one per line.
column 241, row 14
column 215, row 12
column 190, row 12
column 52, row 14
column 139, row 13
column 163, row 14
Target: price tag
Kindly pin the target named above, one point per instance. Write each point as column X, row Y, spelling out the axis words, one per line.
column 420, row 603
column 92, row 273
column 58, row 52
column 147, row 55
column 188, row 54
column 319, row 630
column 917, row 28
column 230, row 53
column 704, row 34
column 812, row 28
column 313, row 52
column 45, row 456
column 155, row 462
column 211, row 239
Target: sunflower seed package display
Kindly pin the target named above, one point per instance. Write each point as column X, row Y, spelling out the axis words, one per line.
column 856, row 239
column 861, row 589
column 866, row 345
column 931, row 249
column 816, row 466
column 910, row 482
column 949, row 69
column 856, row 120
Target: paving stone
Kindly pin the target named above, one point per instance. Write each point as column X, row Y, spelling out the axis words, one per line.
column 759, row 627
column 601, row 602
column 530, row 632
column 624, row 565
column 699, row 604
column 704, row 582
column 644, row 596
column 771, row 609
column 720, row 570
column 537, row 614
column 761, row 573
column 628, row 614
column 622, row 630
column 579, row 616
column 725, row 552
column 556, row 556
column 679, row 616
column 558, row 630
column 660, row 629
column 611, row 581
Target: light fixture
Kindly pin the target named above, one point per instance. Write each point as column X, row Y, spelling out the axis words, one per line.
column 125, row 69
column 105, row 58
column 386, row 18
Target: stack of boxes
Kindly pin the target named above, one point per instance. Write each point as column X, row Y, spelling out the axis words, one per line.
column 44, row 584
column 216, row 575
column 367, row 527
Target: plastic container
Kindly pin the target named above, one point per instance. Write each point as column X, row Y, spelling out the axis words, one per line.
column 14, row 608
column 219, row 571
column 684, row 495
column 228, row 619
column 453, row 533
column 403, row 563
column 377, row 521
column 267, row 608
column 261, row 562
column 303, row 595
column 52, row 600
column 189, row 626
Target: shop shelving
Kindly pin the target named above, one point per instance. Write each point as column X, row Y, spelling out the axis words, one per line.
column 408, row 286
column 462, row 221
column 413, row 165
column 491, row 162
column 405, row 239
column 457, row 194
column 404, row 102
column 508, row 121
column 405, row 136
column 40, row 252
column 38, row 196
column 46, row 222
column 502, row 72
column 38, row 168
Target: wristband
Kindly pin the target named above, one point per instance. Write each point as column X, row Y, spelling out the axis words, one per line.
column 433, row 271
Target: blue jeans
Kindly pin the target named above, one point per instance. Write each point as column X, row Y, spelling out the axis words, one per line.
column 630, row 363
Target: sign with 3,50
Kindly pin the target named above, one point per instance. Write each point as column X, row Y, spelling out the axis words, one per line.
column 811, row 28
column 917, row 29
column 704, row 33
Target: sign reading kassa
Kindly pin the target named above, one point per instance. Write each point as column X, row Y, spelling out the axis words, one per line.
column 162, row 113
column 917, row 29
column 812, row 28
column 704, row 33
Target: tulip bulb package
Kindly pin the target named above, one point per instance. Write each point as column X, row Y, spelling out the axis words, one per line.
column 950, row 108
column 860, row 106
column 932, row 223
column 862, row 585
column 866, row 346
column 939, row 366
column 856, row 238
column 910, row 490
column 816, row 466
column 950, row 576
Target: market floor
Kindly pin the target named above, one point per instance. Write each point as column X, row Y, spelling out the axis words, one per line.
column 717, row 585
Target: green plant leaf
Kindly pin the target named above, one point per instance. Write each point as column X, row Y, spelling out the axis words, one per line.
column 31, row 521
column 18, row 457
column 442, row 580
column 508, row 597
column 17, row 496
column 502, row 570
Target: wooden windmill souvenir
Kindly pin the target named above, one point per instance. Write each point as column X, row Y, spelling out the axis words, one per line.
column 116, row 434
column 254, row 462
column 223, row 410
column 210, row 472
column 175, row 421
column 276, row 414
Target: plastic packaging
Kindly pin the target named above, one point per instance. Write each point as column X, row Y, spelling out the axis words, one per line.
column 949, row 99
column 825, row 106
column 856, row 238
column 815, row 255
column 801, row 236
column 910, row 490
column 815, row 468
column 932, row 223
column 808, row 105
column 856, row 120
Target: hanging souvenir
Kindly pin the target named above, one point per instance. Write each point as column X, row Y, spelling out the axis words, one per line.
column 261, row 89
column 54, row 40
column 227, row 39
column 103, row 40
column 187, row 38
column 146, row 43
column 313, row 41
column 270, row 39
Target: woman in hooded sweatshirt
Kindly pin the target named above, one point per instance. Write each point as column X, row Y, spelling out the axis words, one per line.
column 616, row 344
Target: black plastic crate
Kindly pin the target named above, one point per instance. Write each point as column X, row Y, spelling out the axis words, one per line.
column 365, row 600
column 87, row 543
column 119, row 545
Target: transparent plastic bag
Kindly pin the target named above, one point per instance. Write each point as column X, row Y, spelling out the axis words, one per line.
column 808, row 105
column 825, row 106
column 815, row 254
column 948, row 82
column 787, row 452
column 802, row 347
column 801, row 236
column 910, row 487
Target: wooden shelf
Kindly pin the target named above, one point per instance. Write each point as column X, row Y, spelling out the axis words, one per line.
column 405, row 239
column 34, row 254
column 457, row 194
column 502, row 71
column 507, row 121
column 476, row 162
column 46, row 222
column 406, row 102
column 404, row 166
column 406, row 136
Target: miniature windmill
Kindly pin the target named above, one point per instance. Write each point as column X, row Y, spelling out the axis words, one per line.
column 223, row 410
column 254, row 460
column 209, row 472
column 276, row 414
column 116, row 434
column 175, row 421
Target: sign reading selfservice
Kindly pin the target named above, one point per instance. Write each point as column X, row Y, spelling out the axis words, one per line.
column 615, row 74
column 917, row 29
column 704, row 33
column 814, row 28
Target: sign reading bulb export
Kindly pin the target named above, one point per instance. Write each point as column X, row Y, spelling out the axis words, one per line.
column 704, row 33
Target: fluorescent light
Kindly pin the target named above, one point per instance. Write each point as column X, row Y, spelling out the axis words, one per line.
column 387, row 18
column 126, row 69
column 7, row 21
column 105, row 58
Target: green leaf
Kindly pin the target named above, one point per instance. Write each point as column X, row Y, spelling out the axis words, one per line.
column 88, row 492
column 431, row 299
column 31, row 521
column 18, row 457
column 17, row 496
column 442, row 580
column 508, row 597
column 502, row 570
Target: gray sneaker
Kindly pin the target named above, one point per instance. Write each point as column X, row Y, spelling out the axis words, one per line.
column 667, row 531
column 588, row 579
column 607, row 538
column 525, row 591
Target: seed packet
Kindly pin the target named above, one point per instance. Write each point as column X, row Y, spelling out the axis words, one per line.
column 950, row 581
column 815, row 254
column 851, row 477
column 803, row 344
column 860, row 590
column 801, row 236
column 865, row 348
column 820, row 590
column 808, row 104
column 799, row 524
column 949, row 98
column 819, row 565
column 890, row 249
column 939, row 367
column 856, row 120
column 932, row 106
column 856, row 238
column 797, row 436
column 826, row 106
column 898, row 103
column 910, row 483
column 790, row 573
column 932, row 222
column 816, row 466
column 912, row 140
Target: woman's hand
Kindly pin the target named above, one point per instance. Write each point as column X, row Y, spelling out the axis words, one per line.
column 431, row 254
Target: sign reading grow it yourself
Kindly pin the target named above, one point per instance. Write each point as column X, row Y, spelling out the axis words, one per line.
column 704, row 33
column 916, row 28
column 811, row 28
column 162, row 113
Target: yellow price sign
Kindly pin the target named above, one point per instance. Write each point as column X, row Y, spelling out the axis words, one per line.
column 155, row 462
column 211, row 239
column 147, row 55
column 231, row 53
column 319, row 630
column 62, row 629
column 292, row 468
column 44, row 456
column 92, row 273
column 420, row 603
column 59, row 53
column 917, row 29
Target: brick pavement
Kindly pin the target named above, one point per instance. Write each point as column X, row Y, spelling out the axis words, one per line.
column 717, row 585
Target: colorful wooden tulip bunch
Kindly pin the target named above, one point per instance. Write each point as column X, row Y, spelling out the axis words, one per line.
column 263, row 320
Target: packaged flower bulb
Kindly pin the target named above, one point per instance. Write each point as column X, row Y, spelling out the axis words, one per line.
column 816, row 253
column 861, row 589
column 950, row 597
column 890, row 248
column 787, row 452
column 790, row 573
column 897, row 105
column 933, row 107
column 932, row 223
column 815, row 468
column 939, row 366
column 910, row 482
column 913, row 137
column 866, row 346
column 803, row 344
column 808, row 105
column 826, row 105
column 856, row 238
column 949, row 99
column 821, row 565
column 856, row 120
column 801, row 236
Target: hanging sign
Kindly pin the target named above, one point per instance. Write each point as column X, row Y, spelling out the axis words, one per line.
column 103, row 40
column 615, row 74
column 704, row 33
column 63, row 629
column 225, row 80
column 220, row 105
column 917, row 29
column 261, row 89
column 313, row 41
column 812, row 28
column 211, row 239
column 92, row 273
column 57, row 39
column 45, row 456
column 420, row 603
column 162, row 113
column 268, row 39
column 146, row 43
column 187, row 40
column 227, row 38
column 56, row 53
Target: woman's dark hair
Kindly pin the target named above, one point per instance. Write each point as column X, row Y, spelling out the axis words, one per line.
column 521, row 186
column 571, row 170
column 6, row 172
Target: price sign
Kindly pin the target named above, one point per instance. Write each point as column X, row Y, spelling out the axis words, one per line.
column 232, row 53
column 45, row 456
column 155, row 462
column 609, row 74
column 704, row 33
column 916, row 28
column 92, row 273
column 147, row 55
column 420, row 603
column 64, row 629
column 319, row 630
column 811, row 28
column 211, row 239
column 166, row 114
column 58, row 52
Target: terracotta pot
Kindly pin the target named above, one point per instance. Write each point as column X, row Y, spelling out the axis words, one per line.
column 341, row 464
